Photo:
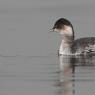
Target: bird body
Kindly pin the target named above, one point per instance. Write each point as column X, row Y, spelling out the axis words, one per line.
column 69, row 45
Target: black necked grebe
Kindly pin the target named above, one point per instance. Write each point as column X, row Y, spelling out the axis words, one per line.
column 70, row 46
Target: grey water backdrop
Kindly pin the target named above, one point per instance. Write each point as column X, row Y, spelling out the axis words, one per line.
column 25, row 24
column 29, row 64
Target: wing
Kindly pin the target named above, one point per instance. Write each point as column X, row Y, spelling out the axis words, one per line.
column 84, row 45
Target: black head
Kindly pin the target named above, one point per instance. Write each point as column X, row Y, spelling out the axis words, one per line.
column 59, row 24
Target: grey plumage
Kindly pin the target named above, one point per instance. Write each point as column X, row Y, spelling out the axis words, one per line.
column 84, row 45
column 69, row 45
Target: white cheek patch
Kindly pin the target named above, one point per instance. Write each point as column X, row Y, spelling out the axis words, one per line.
column 67, row 31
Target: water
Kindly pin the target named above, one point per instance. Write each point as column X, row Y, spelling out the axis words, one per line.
column 77, row 76
column 46, row 75
column 28, row 75
column 28, row 61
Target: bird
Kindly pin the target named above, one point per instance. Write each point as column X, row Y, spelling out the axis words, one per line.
column 70, row 45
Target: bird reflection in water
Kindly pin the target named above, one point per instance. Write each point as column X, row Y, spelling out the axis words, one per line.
column 66, row 77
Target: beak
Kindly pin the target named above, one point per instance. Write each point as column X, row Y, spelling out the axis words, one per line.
column 51, row 30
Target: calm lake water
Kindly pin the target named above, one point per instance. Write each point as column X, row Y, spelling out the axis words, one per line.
column 47, row 75
column 28, row 61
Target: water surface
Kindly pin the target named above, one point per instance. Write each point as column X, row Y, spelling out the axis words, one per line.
column 46, row 75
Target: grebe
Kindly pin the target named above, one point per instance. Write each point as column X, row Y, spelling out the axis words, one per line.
column 70, row 46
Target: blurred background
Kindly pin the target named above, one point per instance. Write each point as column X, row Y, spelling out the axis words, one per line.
column 25, row 24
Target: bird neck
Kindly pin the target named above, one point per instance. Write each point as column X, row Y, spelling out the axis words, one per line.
column 67, row 42
column 68, row 36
